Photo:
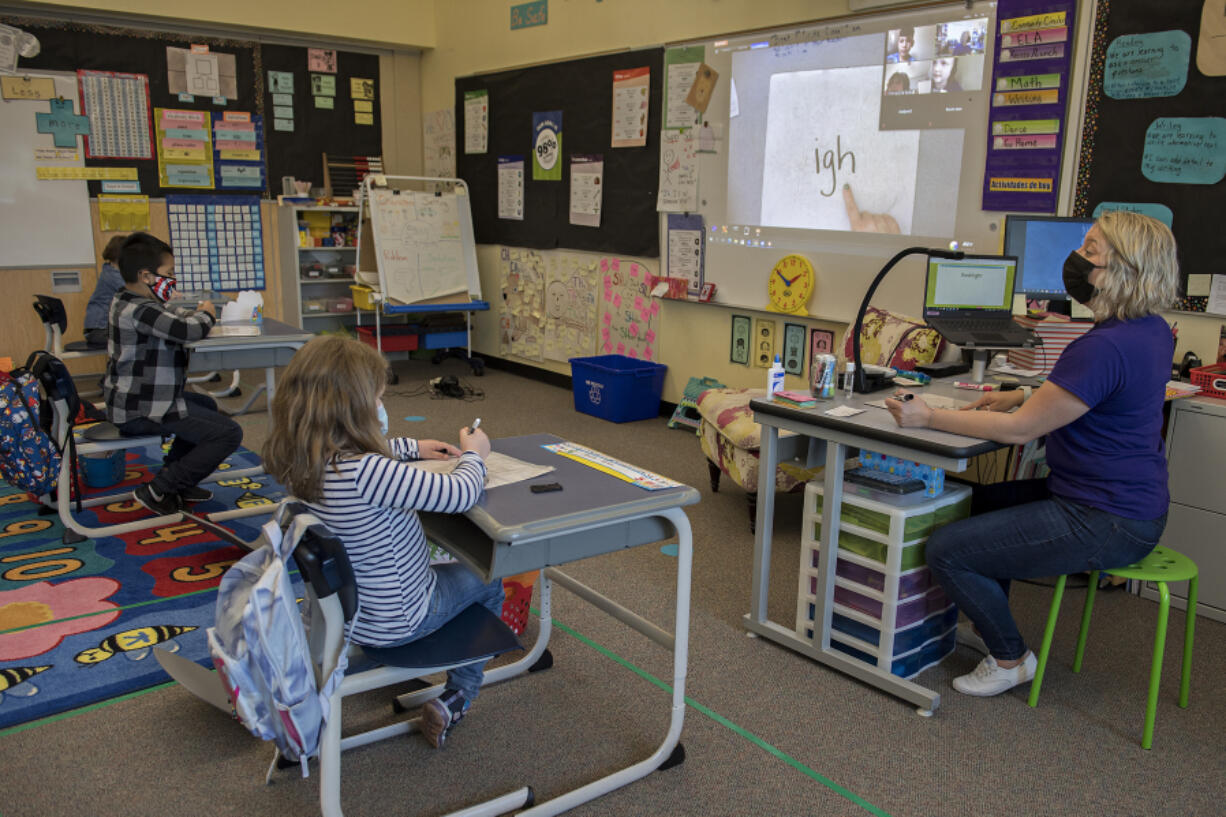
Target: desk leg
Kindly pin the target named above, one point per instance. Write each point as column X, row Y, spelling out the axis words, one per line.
column 819, row 648
column 681, row 641
column 768, row 457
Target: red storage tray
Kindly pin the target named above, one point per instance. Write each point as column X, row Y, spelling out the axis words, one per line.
column 395, row 338
column 1211, row 379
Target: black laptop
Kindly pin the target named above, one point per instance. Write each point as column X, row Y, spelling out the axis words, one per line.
column 970, row 301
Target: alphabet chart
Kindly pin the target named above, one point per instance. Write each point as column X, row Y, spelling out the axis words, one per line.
column 218, row 242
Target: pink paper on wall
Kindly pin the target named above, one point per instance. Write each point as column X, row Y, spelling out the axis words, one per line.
column 630, row 316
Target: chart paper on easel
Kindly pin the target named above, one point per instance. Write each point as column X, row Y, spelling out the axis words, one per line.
column 417, row 244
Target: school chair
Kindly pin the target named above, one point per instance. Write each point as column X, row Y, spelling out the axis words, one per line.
column 76, row 440
column 1160, row 566
column 55, row 322
column 474, row 635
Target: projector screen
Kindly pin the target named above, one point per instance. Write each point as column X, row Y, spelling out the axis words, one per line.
column 846, row 142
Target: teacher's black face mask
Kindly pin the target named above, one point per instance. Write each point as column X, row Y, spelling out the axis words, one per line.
column 1077, row 269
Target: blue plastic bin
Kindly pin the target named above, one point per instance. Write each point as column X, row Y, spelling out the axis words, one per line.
column 104, row 469
column 617, row 388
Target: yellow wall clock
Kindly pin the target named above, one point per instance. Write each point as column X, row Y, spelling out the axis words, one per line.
column 790, row 285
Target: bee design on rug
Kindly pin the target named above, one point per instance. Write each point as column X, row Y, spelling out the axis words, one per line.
column 135, row 643
column 16, row 681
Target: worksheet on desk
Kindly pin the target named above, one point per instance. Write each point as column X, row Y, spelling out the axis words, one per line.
column 499, row 469
column 933, row 400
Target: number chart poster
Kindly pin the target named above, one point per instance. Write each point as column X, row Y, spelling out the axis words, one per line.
column 1029, row 101
column 631, row 319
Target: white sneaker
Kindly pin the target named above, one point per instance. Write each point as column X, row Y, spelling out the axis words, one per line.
column 989, row 678
column 967, row 637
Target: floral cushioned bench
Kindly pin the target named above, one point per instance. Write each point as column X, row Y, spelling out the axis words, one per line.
column 730, row 438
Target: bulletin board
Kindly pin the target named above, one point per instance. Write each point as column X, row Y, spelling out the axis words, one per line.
column 1131, row 153
column 583, row 91
column 68, row 46
column 298, row 153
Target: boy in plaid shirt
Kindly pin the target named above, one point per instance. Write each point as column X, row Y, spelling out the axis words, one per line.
column 146, row 374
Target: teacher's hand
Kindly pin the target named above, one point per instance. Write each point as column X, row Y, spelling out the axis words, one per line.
column 912, row 413
column 862, row 222
column 996, row 401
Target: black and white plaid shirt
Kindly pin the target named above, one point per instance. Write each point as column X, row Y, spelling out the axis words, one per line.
column 146, row 360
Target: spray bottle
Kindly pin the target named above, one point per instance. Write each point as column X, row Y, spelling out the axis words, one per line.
column 774, row 378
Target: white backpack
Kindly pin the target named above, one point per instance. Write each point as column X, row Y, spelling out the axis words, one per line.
column 260, row 648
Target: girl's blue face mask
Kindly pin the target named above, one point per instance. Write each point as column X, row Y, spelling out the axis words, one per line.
column 382, row 414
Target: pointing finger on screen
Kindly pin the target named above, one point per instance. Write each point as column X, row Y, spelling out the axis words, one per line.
column 862, row 222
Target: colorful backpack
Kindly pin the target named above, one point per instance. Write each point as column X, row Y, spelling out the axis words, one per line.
column 259, row 646
column 29, row 458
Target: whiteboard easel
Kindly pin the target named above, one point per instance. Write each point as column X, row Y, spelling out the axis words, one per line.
column 416, row 239
column 377, row 270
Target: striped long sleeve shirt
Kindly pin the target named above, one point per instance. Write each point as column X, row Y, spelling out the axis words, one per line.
column 371, row 503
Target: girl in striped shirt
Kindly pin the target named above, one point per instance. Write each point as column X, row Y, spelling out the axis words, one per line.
column 329, row 447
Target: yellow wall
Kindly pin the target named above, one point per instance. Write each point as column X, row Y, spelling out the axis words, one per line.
column 475, row 37
column 401, row 23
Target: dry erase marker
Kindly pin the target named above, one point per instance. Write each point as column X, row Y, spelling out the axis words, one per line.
column 476, row 424
column 904, row 397
column 962, row 384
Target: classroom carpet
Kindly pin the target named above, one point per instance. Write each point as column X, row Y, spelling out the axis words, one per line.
column 78, row 622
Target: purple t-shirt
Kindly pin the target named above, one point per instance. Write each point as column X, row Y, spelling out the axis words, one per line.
column 1112, row 456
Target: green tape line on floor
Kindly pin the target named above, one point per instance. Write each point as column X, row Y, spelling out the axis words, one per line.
column 722, row 721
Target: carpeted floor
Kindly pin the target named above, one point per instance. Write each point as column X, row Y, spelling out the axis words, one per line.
column 766, row 731
column 78, row 621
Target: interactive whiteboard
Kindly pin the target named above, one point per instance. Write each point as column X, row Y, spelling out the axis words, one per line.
column 845, row 142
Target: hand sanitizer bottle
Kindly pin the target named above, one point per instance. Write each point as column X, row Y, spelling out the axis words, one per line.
column 774, row 378
column 849, row 379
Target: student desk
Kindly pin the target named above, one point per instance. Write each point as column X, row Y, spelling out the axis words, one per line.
column 512, row 530
column 875, row 430
column 273, row 347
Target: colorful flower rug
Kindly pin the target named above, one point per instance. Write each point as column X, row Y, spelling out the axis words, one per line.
column 78, row 622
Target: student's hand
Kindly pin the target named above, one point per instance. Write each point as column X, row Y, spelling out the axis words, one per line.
column 862, row 222
column 207, row 306
column 435, row 450
column 997, row 401
column 475, row 441
column 912, row 413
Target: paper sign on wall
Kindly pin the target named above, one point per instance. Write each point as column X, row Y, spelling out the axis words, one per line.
column 547, row 146
column 631, row 91
column 586, row 189
column 476, row 121
column 321, row 59
column 19, row 87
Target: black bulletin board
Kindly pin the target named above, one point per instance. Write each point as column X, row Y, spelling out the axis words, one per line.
column 67, row 46
column 583, row 91
column 317, row 131
column 1115, row 130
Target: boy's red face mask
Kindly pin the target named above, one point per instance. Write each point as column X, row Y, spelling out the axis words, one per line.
column 163, row 288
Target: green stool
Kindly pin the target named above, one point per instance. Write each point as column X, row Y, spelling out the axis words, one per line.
column 1161, row 566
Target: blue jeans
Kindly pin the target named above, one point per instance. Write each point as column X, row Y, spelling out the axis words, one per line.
column 455, row 588
column 1018, row 530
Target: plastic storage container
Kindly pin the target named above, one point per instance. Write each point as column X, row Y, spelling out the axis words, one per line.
column 445, row 339
column 104, row 469
column 888, row 611
column 361, row 296
column 394, row 338
column 617, row 388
